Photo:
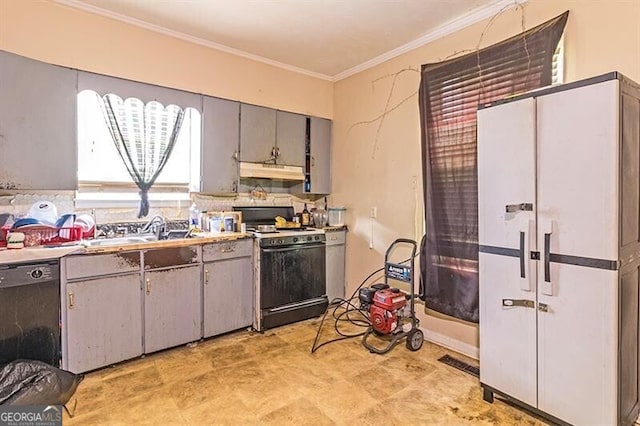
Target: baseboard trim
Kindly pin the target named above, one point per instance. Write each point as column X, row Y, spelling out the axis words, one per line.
column 450, row 343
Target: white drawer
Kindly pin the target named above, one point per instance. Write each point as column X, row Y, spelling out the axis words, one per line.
column 227, row 250
column 92, row 265
column 335, row 238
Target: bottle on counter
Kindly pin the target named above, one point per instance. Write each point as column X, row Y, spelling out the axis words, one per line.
column 194, row 217
column 306, row 216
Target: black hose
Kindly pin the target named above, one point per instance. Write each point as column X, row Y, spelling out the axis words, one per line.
column 349, row 309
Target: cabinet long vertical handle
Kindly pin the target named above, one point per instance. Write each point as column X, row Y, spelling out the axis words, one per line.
column 547, row 285
column 206, row 276
column 148, row 286
column 522, row 257
column 547, row 262
column 70, row 300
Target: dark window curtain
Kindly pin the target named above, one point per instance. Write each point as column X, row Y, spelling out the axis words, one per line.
column 450, row 92
column 144, row 135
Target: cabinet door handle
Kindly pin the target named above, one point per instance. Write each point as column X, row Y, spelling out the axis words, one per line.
column 547, row 283
column 236, row 154
column 547, row 247
column 543, row 307
column 206, row 276
column 522, row 239
column 148, row 286
column 227, row 249
column 524, row 303
column 70, row 300
column 313, row 161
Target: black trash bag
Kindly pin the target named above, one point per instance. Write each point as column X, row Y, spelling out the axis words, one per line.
column 28, row 382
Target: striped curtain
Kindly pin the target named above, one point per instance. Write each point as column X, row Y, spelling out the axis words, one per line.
column 144, row 135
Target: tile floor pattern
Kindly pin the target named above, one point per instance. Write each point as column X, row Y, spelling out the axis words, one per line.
column 247, row 378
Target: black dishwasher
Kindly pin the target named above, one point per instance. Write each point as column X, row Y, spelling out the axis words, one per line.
column 30, row 312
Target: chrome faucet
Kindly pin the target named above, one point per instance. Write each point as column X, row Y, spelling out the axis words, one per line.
column 156, row 225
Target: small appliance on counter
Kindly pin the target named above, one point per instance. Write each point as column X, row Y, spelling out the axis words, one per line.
column 337, row 216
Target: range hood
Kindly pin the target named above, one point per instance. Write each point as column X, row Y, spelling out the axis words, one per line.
column 271, row 171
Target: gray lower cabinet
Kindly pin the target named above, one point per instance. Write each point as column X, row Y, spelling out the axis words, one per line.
column 172, row 297
column 104, row 322
column 37, row 124
column 228, row 286
column 171, row 307
column 220, row 145
column 102, row 316
column 335, row 246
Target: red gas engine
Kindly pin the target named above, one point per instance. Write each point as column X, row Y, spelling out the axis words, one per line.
column 385, row 306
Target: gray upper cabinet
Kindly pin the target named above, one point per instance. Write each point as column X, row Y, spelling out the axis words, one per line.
column 320, row 163
column 37, row 124
column 290, row 135
column 257, row 133
column 265, row 132
column 220, row 145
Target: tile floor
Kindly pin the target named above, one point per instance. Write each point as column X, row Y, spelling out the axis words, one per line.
column 272, row 378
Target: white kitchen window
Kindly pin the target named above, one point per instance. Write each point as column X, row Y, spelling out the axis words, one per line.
column 102, row 176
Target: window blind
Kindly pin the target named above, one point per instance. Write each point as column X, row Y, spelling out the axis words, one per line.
column 450, row 93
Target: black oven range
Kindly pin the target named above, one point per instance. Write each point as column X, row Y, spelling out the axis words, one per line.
column 289, row 274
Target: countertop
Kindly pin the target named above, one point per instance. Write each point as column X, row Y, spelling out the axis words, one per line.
column 31, row 254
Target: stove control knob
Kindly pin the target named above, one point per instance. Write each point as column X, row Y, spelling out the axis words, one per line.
column 309, row 238
column 36, row 273
column 317, row 238
column 295, row 239
column 281, row 241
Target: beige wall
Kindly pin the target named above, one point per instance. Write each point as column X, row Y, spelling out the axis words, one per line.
column 377, row 163
column 65, row 36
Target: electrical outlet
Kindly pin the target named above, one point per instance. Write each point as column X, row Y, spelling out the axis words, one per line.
column 374, row 212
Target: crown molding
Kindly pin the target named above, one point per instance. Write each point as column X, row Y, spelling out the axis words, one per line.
column 186, row 37
column 450, row 27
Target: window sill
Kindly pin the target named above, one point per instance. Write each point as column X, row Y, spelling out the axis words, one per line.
column 88, row 200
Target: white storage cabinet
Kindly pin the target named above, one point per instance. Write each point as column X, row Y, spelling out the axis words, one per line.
column 559, row 255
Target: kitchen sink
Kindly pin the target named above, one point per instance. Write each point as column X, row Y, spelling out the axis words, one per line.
column 133, row 239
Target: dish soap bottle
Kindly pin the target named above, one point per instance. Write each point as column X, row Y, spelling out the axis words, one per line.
column 194, row 217
column 305, row 216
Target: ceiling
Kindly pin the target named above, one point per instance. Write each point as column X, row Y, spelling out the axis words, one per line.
column 329, row 39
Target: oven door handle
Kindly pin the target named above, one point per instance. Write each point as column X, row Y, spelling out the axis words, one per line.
column 292, row 247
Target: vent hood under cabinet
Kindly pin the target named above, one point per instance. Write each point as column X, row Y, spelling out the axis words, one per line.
column 271, row 171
